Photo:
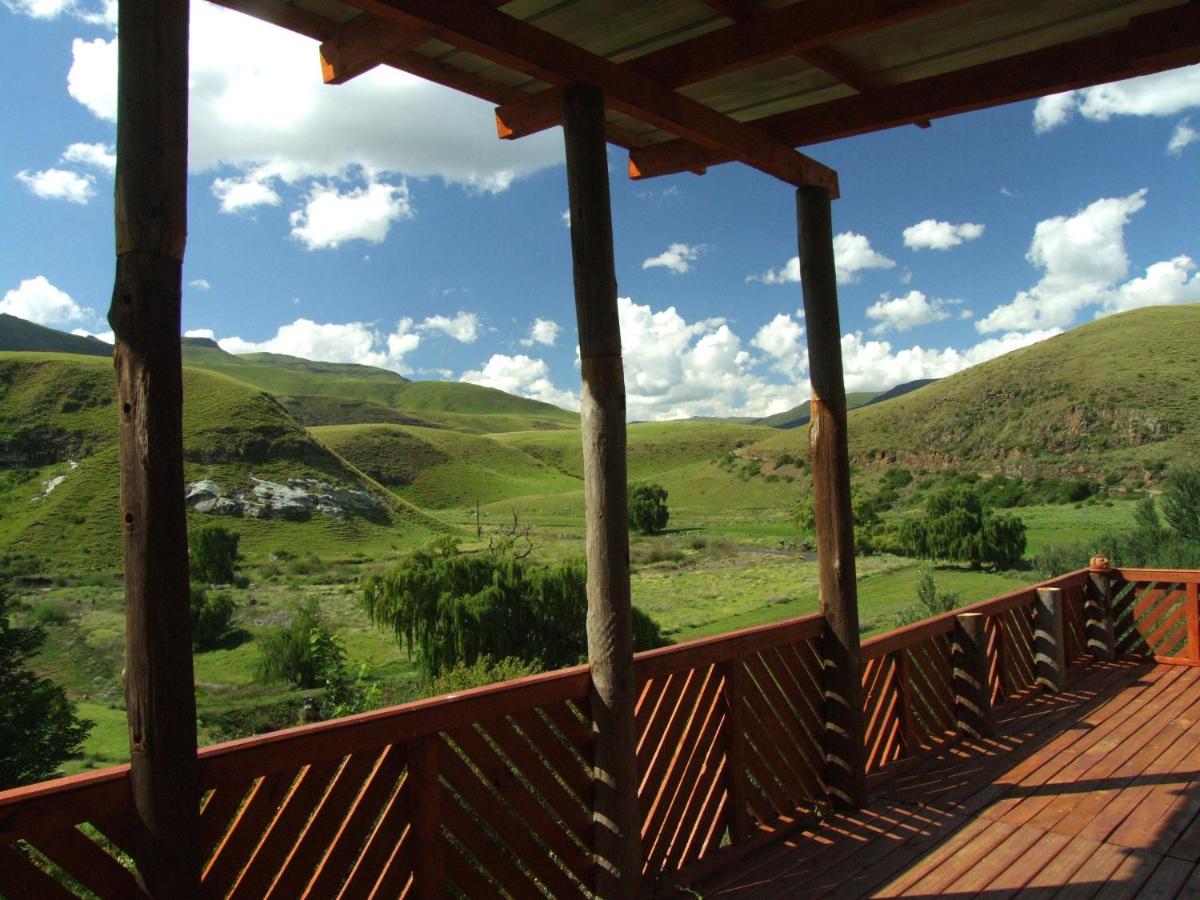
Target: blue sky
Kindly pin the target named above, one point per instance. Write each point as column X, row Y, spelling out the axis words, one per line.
column 382, row 222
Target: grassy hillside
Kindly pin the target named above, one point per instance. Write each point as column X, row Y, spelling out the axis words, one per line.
column 439, row 468
column 799, row 415
column 1115, row 398
column 20, row 335
column 59, row 494
column 288, row 376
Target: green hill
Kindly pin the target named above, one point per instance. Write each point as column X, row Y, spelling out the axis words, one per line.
column 1118, row 397
column 20, row 335
column 59, row 488
column 800, row 415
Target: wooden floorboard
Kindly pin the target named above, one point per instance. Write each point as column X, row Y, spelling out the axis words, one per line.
column 1094, row 792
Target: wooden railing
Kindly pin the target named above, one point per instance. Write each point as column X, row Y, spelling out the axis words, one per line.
column 490, row 790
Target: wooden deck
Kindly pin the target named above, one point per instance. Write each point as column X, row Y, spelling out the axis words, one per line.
column 1093, row 792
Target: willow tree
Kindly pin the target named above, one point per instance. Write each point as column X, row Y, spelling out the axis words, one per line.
column 451, row 608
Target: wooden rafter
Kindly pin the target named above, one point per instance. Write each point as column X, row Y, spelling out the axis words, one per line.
column 1151, row 43
column 524, row 48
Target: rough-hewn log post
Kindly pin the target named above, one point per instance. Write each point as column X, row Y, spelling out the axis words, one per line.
column 1097, row 611
column 972, row 691
column 1049, row 644
column 151, row 229
column 831, row 491
column 610, row 619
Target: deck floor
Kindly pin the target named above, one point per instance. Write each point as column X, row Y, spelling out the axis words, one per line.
column 1094, row 792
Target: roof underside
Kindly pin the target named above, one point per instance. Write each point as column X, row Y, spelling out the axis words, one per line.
column 693, row 83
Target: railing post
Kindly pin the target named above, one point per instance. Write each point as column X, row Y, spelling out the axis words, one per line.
column 1050, row 652
column 1193, row 620
column 734, row 674
column 425, row 818
column 972, row 690
column 1097, row 610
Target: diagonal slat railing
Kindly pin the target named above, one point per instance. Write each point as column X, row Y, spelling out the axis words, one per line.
column 489, row 792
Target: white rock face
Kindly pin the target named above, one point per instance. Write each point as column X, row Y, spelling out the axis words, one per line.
column 295, row 501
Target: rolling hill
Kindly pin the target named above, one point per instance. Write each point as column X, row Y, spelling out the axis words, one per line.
column 1118, row 397
column 20, row 335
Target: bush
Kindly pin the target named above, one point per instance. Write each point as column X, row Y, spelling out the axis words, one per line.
column 305, row 652
column 930, row 601
column 212, row 554
column 212, row 617
column 1181, row 501
column 648, row 511
column 955, row 527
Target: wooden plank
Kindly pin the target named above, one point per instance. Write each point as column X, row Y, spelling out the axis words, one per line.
column 465, row 876
column 82, row 859
column 736, row 644
column 20, row 879
column 496, row 861
column 151, row 227
column 1088, row 878
column 734, row 688
column 1006, row 880
column 941, row 852
column 61, row 803
column 426, row 809
column 244, row 834
column 1056, row 872
column 216, row 815
column 563, row 763
column 962, row 860
column 1127, row 878
column 1193, row 620
column 1175, row 576
column 391, row 831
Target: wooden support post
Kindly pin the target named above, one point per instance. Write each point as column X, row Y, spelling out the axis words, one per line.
column 972, row 690
column 734, row 673
column 425, row 814
column 617, row 817
column 1192, row 599
column 1097, row 611
column 844, row 736
column 151, row 230
column 1049, row 643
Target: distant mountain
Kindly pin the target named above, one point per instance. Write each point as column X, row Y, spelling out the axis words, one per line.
column 899, row 391
column 20, row 335
column 800, row 415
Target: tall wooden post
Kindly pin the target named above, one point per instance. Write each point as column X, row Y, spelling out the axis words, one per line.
column 845, row 766
column 1049, row 643
column 610, row 617
column 972, row 688
column 1097, row 610
column 151, row 230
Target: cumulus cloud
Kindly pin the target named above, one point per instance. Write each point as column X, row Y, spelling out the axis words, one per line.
column 1183, row 135
column 200, row 333
column 909, row 311
column 95, row 156
column 59, row 184
column 521, row 375
column 348, row 342
column 1161, row 94
column 237, row 194
column 256, row 89
column 37, row 300
column 1082, row 257
column 462, row 326
column 852, row 255
column 677, row 258
column 107, row 337
column 1164, row 283
column 933, row 234
column 200, row 284
column 542, row 331
column 780, row 340
column 330, row 218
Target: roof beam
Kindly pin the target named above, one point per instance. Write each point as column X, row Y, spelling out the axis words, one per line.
column 518, row 45
column 1151, row 43
column 362, row 44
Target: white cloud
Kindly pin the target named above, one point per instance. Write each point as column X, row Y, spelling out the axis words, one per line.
column 909, row 311
column 94, row 156
column 59, row 184
column 780, row 340
column 248, row 192
column 1184, row 135
column 566, row 218
column 1082, row 257
column 852, row 254
column 40, row 9
column 463, row 326
column 677, row 258
column 201, row 333
column 1164, row 283
column 257, row 99
column 349, row 342
column 1162, row 94
column 933, row 234
column 37, row 300
column 107, row 336
column 542, row 331
column 330, row 217
column 200, row 284
column 95, row 12
column 521, row 375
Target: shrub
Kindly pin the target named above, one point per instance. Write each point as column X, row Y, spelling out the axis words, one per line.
column 305, row 652
column 648, row 511
column 930, row 601
column 1181, row 501
column 955, row 527
column 212, row 554
column 212, row 617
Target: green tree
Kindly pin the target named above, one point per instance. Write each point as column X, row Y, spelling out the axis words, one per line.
column 212, row 554
column 1181, row 501
column 459, row 608
column 212, row 617
column 39, row 727
column 305, row 652
column 956, row 527
column 930, row 601
column 1002, row 541
column 804, row 516
column 648, row 511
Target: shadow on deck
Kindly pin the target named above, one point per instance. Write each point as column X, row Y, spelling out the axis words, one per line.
column 1091, row 792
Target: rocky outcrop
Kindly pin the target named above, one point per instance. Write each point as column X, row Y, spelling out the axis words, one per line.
column 295, row 501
